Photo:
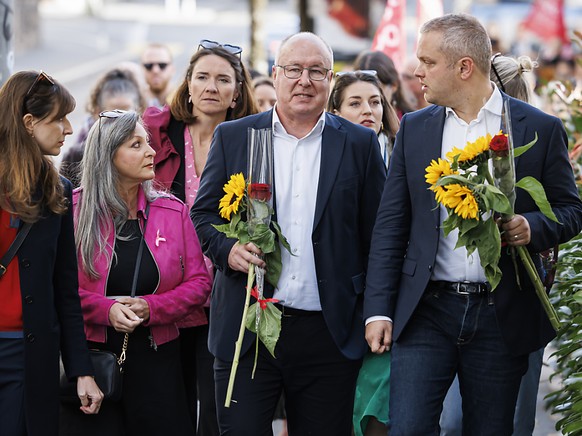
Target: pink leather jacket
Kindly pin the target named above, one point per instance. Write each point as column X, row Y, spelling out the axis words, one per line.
column 184, row 283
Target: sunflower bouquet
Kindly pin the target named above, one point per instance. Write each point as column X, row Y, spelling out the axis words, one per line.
column 474, row 198
column 246, row 205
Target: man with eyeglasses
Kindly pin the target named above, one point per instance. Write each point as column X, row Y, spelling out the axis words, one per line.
column 328, row 179
column 158, row 68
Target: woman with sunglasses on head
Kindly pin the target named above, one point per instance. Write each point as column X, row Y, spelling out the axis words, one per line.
column 140, row 271
column 216, row 88
column 358, row 97
column 40, row 313
column 115, row 89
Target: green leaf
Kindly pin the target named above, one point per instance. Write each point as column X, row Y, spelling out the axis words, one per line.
column 496, row 200
column 269, row 325
column 518, row 151
column 454, row 178
column 282, row 239
column 536, row 191
column 274, row 265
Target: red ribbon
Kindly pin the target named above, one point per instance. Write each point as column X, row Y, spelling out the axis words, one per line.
column 262, row 301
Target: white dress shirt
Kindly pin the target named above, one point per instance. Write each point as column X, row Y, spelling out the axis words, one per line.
column 296, row 168
column 452, row 264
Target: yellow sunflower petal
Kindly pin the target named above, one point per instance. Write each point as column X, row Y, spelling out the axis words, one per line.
column 234, row 192
column 436, row 170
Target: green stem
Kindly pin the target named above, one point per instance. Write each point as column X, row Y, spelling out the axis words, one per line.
column 539, row 286
column 489, row 178
column 241, row 334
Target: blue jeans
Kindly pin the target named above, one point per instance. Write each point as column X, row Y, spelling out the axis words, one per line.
column 525, row 412
column 451, row 334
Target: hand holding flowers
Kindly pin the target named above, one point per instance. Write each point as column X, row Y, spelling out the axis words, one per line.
column 246, row 206
column 477, row 202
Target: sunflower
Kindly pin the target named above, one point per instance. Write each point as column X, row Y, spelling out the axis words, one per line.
column 460, row 198
column 436, row 170
column 235, row 191
column 471, row 150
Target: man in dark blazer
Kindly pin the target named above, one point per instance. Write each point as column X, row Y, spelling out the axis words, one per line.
column 430, row 301
column 327, row 185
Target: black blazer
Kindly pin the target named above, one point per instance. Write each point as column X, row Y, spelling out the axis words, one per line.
column 350, row 185
column 406, row 234
column 52, row 316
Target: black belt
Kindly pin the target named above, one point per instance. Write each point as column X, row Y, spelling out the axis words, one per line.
column 289, row 311
column 462, row 288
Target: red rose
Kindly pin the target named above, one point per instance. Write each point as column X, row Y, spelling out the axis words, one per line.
column 260, row 191
column 499, row 144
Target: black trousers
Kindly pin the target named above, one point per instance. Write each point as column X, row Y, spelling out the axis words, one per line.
column 12, row 421
column 154, row 400
column 318, row 383
column 197, row 364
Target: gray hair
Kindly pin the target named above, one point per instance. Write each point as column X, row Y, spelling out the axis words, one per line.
column 509, row 74
column 463, row 35
column 309, row 35
column 102, row 210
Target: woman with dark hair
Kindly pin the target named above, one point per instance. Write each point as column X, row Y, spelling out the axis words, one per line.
column 216, row 88
column 358, row 96
column 388, row 76
column 40, row 312
column 140, row 271
column 116, row 89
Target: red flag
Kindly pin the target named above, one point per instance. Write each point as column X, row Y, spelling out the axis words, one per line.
column 546, row 20
column 390, row 37
column 352, row 15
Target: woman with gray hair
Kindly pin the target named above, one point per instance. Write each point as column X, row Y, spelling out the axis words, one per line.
column 140, row 271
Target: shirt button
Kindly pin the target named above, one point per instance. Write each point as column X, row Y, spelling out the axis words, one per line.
column 25, row 263
column 295, row 250
column 292, row 277
column 30, row 337
column 28, row 299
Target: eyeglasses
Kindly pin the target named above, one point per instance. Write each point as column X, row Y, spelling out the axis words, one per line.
column 366, row 72
column 42, row 78
column 208, row 44
column 295, row 72
column 150, row 65
column 495, row 71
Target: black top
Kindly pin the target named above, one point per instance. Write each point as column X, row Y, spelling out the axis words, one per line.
column 123, row 265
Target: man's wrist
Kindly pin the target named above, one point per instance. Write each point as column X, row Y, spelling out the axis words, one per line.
column 378, row 318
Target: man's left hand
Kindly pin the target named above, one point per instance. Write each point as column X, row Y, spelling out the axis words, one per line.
column 516, row 231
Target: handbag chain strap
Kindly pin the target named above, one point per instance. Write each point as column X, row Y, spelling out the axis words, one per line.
column 121, row 359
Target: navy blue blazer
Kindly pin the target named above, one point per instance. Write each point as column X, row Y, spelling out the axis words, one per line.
column 351, row 180
column 406, row 234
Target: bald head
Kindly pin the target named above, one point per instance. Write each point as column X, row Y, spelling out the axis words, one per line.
column 306, row 37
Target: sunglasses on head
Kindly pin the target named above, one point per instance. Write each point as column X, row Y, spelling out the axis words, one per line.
column 115, row 113
column 208, row 44
column 348, row 73
column 150, row 65
column 42, row 78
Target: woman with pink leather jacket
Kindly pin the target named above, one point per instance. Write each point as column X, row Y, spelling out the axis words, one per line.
column 115, row 208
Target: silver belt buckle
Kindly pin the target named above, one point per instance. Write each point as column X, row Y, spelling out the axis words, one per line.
column 461, row 288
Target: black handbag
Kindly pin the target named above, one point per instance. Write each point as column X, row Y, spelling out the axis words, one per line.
column 108, row 370
column 107, row 367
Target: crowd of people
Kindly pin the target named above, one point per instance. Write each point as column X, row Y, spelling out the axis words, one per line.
column 387, row 327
